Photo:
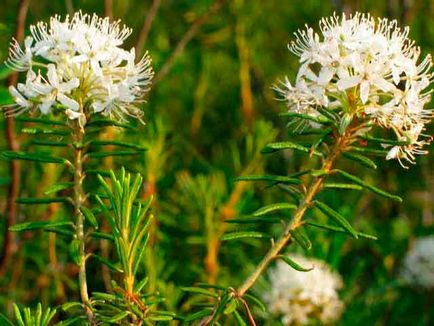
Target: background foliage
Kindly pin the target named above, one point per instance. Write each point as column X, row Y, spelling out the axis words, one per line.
column 207, row 120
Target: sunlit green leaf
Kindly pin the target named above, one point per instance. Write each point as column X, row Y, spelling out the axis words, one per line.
column 270, row 178
column 336, row 217
column 58, row 186
column 198, row 290
column 361, row 159
column 42, row 201
column 301, row 238
column 273, row 208
column 242, row 235
column 375, row 190
column 42, row 158
column 28, row 226
column 90, row 217
column 342, row 186
column 339, row 229
column 275, row 147
column 293, row 264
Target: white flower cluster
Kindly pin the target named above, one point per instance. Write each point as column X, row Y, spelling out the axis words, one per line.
column 418, row 267
column 77, row 66
column 366, row 68
column 303, row 297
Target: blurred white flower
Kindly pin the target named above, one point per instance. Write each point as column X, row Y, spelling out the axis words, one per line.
column 418, row 266
column 303, row 297
column 87, row 70
column 368, row 68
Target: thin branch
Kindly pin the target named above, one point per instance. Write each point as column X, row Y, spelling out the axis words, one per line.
column 108, row 9
column 13, row 144
column 187, row 38
column 143, row 36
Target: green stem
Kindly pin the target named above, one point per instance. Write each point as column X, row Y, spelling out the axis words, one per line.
column 297, row 221
column 79, row 198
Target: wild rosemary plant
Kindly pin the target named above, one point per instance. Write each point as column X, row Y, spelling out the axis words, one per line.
column 77, row 73
column 357, row 76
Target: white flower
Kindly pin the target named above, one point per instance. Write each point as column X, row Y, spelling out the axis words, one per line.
column 303, row 297
column 87, row 71
column 418, row 267
column 368, row 68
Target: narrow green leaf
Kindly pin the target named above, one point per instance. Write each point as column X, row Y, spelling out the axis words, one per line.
column 43, row 121
column 320, row 119
column 242, row 235
column 113, row 153
column 39, row 201
column 293, row 264
column 271, row 178
column 373, row 189
column 58, row 186
column 344, row 123
column 28, row 226
column 139, row 286
column 105, row 296
column 100, row 235
column 301, row 238
column 256, row 301
column 71, row 305
column 107, row 263
column 18, row 315
column 51, row 143
column 117, row 318
column 89, row 216
column 274, row 147
column 198, row 290
column 103, row 173
column 116, row 143
column 42, row 158
column 319, row 173
column 160, row 318
column 59, row 230
column 224, row 300
column 4, row 321
column 100, row 122
column 74, row 251
column 239, row 319
column 274, row 207
column 41, row 131
column 211, row 286
column 231, row 306
column 252, row 220
column 372, row 151
column 198, row 315
column 336, row 217
column 342, row 186
column 384, row 141
column 339, row 229
column 363, row 160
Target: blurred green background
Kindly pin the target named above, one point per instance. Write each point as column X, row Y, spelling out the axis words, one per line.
column 207, row 119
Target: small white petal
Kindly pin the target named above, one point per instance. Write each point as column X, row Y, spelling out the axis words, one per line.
column 68, row 102
column 52, row 76
column 393, row 153
column 364, row 91
column 349, row 82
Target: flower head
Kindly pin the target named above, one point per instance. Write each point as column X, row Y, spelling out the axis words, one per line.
column 301, row 297
column 76, row 65
column 367, row 68
column 418, row 267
